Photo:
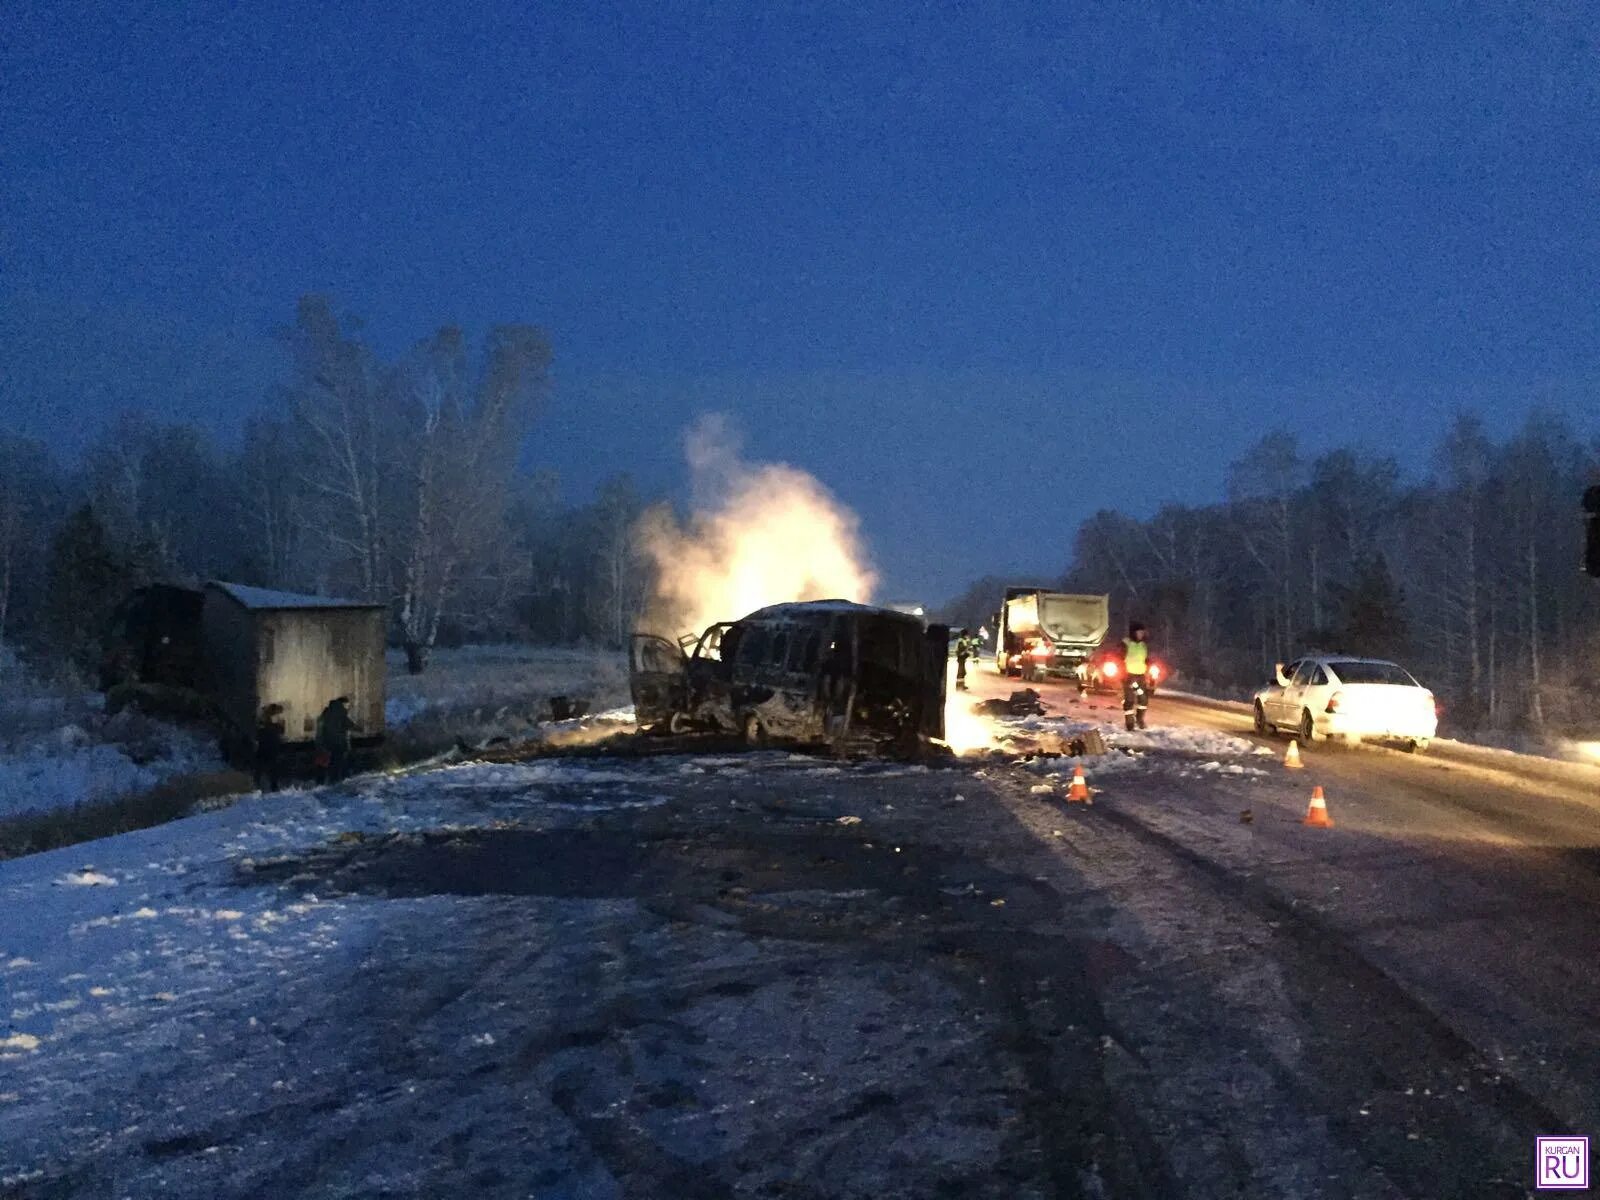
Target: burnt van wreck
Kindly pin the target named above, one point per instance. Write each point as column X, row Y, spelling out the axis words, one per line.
column 824, row 672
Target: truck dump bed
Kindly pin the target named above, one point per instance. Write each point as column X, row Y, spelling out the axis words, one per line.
column 1049, row 634
column 1074, row 620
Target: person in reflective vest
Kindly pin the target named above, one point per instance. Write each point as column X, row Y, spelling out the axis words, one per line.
column 963, row 652
column 1135, row 688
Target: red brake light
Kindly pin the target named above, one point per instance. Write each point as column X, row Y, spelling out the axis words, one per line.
column 1333, row 701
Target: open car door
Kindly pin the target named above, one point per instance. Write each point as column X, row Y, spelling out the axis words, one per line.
column 658, row 677
column 935, row 665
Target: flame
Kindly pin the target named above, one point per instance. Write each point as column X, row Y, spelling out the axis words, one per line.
column 965, row 731
column 760, row 533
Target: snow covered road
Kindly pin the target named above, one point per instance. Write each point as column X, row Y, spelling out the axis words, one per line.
column 770, row 974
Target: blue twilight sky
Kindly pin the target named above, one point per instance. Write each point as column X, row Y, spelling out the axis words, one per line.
column 981, row 268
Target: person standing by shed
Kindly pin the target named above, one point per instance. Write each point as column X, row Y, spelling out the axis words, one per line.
column 333, row 739
column 269, row 748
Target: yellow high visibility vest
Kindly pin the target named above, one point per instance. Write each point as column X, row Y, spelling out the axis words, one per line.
column 1135, row 655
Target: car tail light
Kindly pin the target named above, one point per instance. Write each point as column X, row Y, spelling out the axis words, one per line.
column 1334, row 700
column 1110, row 670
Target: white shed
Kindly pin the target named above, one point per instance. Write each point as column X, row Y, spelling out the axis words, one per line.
column 270, row 647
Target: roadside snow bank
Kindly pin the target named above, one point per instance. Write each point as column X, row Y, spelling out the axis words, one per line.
column 92, row 758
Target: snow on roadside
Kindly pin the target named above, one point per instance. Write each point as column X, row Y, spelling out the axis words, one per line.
column 58, row 749
column 159, row 918
column 1176, row 740
column 136, row 943
column 96, row 758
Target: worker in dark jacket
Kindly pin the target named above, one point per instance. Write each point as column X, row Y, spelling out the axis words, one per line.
column 269, row 748
column 333, row 739
column 963, row 652
column 1135, row 665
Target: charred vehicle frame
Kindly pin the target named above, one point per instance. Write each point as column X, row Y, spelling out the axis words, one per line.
column 824, row 672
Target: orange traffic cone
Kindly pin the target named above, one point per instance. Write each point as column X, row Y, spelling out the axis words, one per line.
column 1291, row 756
column 1317, row 814
column 1079, row 791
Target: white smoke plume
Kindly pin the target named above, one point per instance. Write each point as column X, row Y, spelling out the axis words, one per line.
column 758, row 534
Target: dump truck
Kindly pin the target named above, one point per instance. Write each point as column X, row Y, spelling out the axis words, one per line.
column 1049, row 635
column 220, row 653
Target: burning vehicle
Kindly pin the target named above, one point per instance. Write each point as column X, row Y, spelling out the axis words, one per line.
column 823, row 672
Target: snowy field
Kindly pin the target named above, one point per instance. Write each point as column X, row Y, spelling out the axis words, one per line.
column 505, row 685
column 58, row 749
column 481, row 694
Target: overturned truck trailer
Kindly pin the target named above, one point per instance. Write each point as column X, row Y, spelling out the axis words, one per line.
column 823, row 672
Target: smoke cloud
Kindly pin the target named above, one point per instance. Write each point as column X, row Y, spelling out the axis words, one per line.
column 758, row 534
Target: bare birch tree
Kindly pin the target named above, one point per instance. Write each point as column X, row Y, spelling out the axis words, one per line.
column 273, row 521
column 337, row 402
column 621, row 576
column 1262, row 488
column 456, row 449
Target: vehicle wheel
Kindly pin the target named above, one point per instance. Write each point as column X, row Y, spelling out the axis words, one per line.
column 755, row 733
column 1262, row 727
column 1308, row 728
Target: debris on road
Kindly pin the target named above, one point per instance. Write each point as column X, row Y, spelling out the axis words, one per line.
column 1025, row 703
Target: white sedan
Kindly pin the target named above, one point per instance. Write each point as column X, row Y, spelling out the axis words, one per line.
column 1342, row 697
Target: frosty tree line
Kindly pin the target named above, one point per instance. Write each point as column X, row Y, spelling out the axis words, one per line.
column 391, row 481
column 402, row 482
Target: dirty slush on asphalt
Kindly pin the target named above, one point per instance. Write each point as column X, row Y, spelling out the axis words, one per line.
column 773, row 976
column 794, row 979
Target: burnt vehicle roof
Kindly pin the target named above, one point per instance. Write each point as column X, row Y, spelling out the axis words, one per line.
column 800, row 609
